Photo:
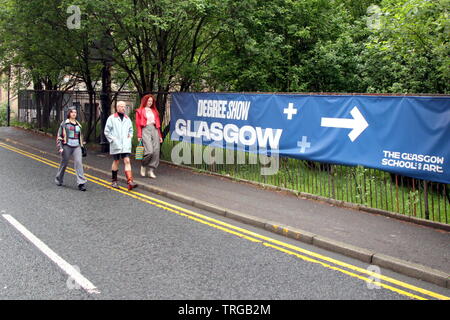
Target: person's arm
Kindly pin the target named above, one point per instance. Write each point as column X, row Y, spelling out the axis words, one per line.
column 108, row 130
column 160, row 135
column 81, row 137
column 138, row 126
column 130, row 130
column 158, row 126
column 59, row 138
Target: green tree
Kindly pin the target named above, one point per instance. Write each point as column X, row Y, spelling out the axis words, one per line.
column 410, row 51
column 35, row 37
column 269, row 45
column 161, row 45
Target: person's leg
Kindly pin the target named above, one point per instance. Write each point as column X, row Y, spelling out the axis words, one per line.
column 127, row 163
column 143, row 170
column 154, row 162
column 115, row 165
column 145, row 164
column 114, row 171
column 65, row 156
column 78, row 166
column 129, row 173
column 156, row 149
column 148, row 150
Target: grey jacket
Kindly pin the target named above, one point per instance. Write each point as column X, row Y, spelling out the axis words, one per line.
column 119, row 134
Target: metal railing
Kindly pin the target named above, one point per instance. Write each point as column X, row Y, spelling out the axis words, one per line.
column 369, row 187
column 44, row 110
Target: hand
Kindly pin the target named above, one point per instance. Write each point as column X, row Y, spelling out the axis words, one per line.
column 61, row 150
column 139, row 139
column 160, row 140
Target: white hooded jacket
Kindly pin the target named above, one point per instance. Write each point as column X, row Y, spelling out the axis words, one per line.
column 119, row 134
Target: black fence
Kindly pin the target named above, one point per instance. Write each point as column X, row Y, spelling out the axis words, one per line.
column 44, row 110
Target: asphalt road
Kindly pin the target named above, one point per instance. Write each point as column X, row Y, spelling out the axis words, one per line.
column 131, row 249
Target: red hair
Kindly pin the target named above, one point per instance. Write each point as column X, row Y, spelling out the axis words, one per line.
column 144, row 101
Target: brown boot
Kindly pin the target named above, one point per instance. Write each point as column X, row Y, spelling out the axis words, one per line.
column 131, row 184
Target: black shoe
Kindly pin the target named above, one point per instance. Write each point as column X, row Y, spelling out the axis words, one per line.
column 82, row 187
column 59, row 184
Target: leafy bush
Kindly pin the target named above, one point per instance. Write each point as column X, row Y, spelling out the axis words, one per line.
column 3, row 115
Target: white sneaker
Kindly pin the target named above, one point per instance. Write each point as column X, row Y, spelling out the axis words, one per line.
column 143, row 171
column 151, row 174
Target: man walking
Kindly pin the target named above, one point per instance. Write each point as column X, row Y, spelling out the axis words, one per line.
column 119, row 131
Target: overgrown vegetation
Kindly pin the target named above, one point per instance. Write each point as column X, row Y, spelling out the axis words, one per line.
column 384, row 46
column 3, row 115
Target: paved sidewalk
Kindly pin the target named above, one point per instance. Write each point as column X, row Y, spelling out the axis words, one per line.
column 403, row 240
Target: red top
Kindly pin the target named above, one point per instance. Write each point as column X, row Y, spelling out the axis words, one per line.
column 141, row 117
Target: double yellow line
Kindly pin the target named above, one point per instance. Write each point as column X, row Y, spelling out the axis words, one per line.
column 306, row 255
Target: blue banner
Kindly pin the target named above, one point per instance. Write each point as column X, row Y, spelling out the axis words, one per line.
column 405, row 135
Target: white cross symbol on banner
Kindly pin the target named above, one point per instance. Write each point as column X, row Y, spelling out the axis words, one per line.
column 304, row 144
column 290, row 111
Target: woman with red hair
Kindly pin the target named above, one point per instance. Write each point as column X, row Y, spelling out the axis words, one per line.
column 148, row 127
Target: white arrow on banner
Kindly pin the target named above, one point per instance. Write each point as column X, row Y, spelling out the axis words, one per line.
column 358, row 123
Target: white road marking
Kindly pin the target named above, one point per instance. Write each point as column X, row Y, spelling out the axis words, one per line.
column 65, row 266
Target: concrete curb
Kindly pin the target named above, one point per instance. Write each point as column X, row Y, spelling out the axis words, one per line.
column 412, row 269
column 401, row 266
column 344, row 249
column 290, row 232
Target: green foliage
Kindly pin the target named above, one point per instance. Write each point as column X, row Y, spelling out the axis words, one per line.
column 401, row 46
column 267, row 43
column 362, row 184
column 3, row 115
column 334, row 46
column 19, row 124
column 410, row 51
column 159, row 44
column 412, row 202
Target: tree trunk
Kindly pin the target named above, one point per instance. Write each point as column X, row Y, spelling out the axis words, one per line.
column 106, row 103
column 92, row 110
column 38, row 100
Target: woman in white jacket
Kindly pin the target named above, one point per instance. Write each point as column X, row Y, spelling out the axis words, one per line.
column 119, row 132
